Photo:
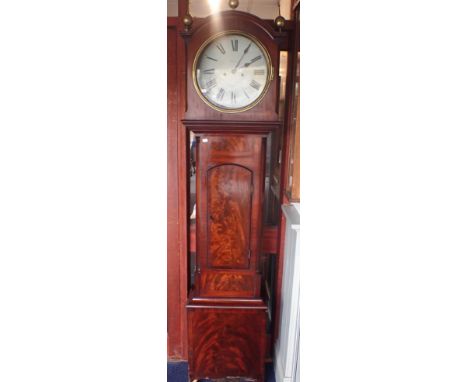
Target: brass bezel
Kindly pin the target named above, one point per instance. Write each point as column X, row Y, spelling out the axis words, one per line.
column 269, row 68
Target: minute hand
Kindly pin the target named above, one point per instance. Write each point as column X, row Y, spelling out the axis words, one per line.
column 238, row 63
column 247, row 64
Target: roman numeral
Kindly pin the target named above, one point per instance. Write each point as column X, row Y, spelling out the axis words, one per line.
column 246, row 94
column 233, row 97
column 235, row 45
column 221, row 48
column 220, row 94
column 255, row 84
column 259, row 72
column 211, row 58
column 211, row 83
column 209, row 71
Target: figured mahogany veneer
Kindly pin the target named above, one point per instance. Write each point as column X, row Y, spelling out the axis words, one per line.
column 230, row 170
column 227, row 342
column 229, row 210
column 269, row 239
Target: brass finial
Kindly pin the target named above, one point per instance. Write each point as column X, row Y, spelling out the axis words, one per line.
column 233, row 3
column 188, row 21
column 279, row 22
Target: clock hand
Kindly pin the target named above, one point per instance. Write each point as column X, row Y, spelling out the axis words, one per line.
column 238, row 63
column 247, row 64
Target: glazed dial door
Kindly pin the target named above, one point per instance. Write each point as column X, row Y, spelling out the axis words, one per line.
column 232, row 72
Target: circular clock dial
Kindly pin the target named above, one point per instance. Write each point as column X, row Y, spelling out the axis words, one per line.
column 232, row 72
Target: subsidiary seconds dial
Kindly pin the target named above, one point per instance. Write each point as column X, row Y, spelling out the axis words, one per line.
column 232, row 72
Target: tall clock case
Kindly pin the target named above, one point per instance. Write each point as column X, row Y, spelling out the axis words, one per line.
column 227, row 312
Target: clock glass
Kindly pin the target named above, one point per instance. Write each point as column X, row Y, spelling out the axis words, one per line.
column 232, row 72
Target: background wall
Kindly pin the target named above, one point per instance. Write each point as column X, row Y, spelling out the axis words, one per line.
column 266, row 9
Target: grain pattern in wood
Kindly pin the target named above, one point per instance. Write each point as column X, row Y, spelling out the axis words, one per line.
column 269, row 239
column 229, row 209
column 227, row 342
column 237, row 284
column 230, row 173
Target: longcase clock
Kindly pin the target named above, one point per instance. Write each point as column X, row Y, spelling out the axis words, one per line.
column 232, row 108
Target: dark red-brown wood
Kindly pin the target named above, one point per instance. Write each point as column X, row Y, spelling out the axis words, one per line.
column 289, row 118
column 233, row 21
column 229, row 215
column 230, row 173
column 222, row 283
column 269, row 239
column 174, row 338
column 227, row 342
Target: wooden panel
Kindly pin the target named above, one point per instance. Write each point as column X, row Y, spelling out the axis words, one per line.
column 230, row 170
column 226, row 342
column 229, row 209
column 229, row 284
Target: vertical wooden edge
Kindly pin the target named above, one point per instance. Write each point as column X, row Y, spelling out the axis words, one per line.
column 177, row 262
column 262, row 200
column 183, row 209
column 173, row 275
column 296, row 172
column 284, row 176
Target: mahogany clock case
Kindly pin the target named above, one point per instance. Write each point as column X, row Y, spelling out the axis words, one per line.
column 226, row 312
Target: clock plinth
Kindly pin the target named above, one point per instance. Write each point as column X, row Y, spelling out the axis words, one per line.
column 227, row 339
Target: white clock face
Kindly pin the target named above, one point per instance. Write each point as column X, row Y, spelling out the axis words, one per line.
column 232, row 72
